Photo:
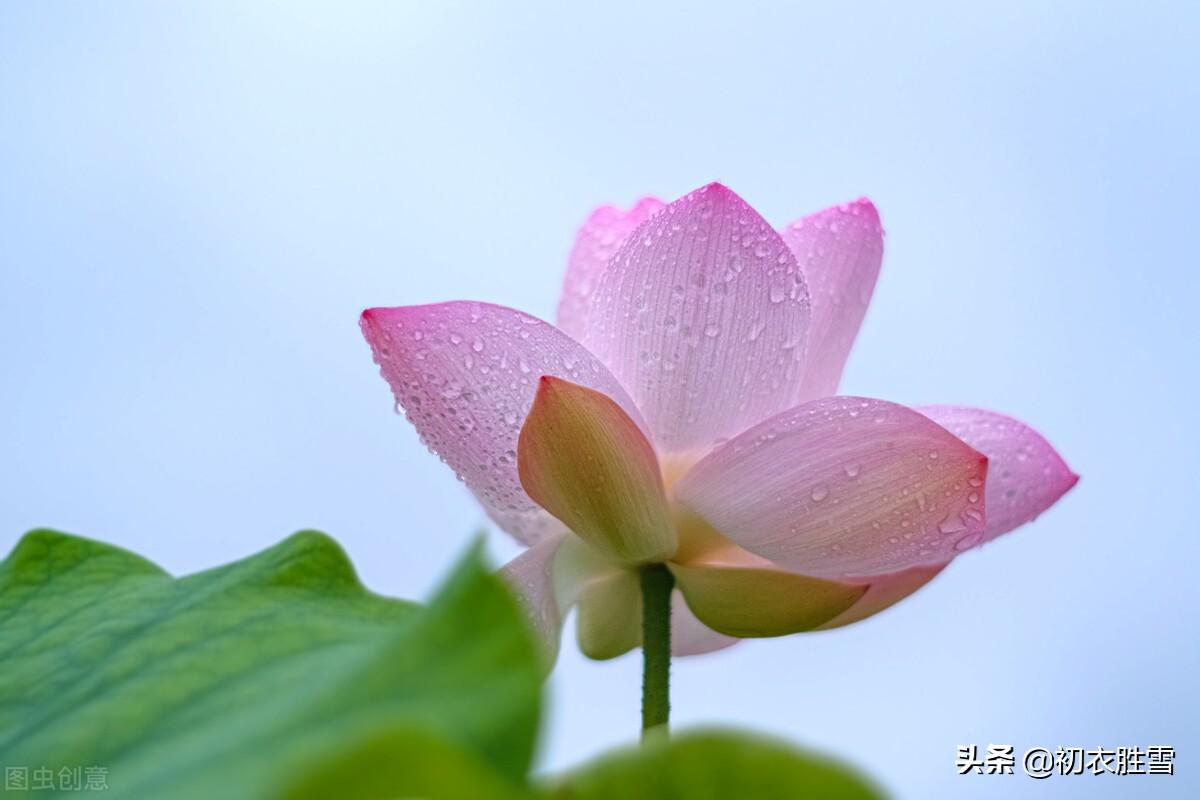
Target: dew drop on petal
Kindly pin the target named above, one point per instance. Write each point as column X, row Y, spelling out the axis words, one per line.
column 951, row 524
column 968, row 541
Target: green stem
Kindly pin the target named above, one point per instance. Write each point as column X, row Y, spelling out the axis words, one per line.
column 657, row 583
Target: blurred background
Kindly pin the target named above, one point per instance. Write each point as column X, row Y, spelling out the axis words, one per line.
column 196, row 203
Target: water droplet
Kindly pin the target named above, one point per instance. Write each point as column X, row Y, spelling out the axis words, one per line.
column 951, row 524
column 477, row 345
column 712, row 330
column 851, row 470
column 820, row 492
column 968, row 541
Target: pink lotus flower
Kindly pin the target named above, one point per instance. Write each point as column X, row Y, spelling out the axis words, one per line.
column 684, row 411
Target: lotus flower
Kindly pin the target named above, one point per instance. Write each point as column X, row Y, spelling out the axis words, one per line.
column 684, row 411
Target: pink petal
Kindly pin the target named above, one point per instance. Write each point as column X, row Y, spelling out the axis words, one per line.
column 595, row 244
column 843, row 486
column 1026, row 474
column 702, row 315
column 884, row 592
column 531, row 575
column 465, row 374
column 690, row 636
column 839, row 251
column 583, row 459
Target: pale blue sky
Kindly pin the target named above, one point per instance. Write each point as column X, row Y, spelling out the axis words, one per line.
column 196, row 203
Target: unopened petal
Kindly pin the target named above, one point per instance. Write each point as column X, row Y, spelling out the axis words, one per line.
column 702, row 314
column 597, row 241
column 609, row 623
column 843, row 486
column 583, row 459
column 738, row 594
column 884, row 592
column 1026, row 475
column 465, row 374
column 839, row 251
column 610, row 620
column 690, row 636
